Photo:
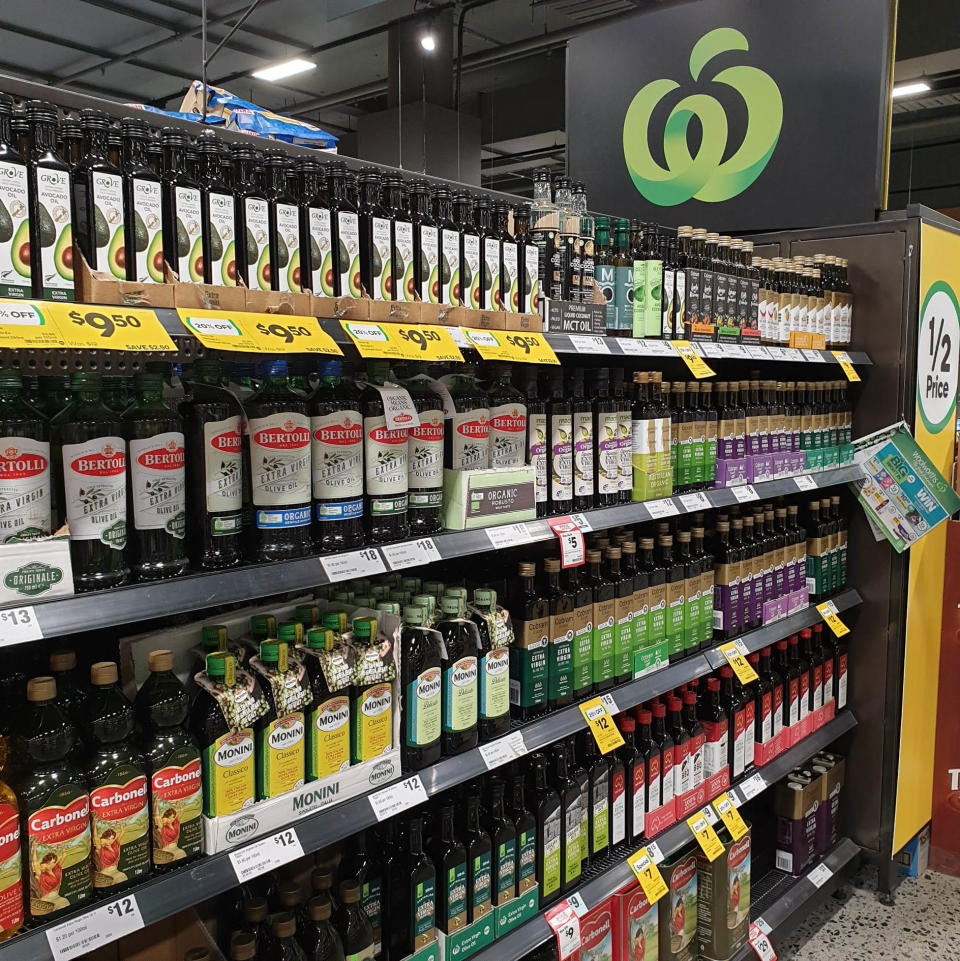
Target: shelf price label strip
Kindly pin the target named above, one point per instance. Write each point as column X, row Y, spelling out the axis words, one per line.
column 104, row 924
column 253, row 333
column 402, row 341
column 517, row 346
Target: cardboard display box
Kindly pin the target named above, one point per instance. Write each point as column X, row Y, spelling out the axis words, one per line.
column 36, row 570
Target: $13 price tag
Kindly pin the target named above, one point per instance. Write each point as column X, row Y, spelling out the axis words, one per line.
column 94, row 929
column 572, row 549
column 262, row 856
column 601, row 724
column 564, row 921
column 17, row 625
column 110, row 328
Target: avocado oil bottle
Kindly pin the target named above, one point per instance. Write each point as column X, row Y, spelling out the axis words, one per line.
column 181, row 208
column 345, row 228
column 426, row 244
column 142, row 207
column 491, row 252
column 468, row 287
column 376, row 237
column 218, row 215
column 449, row 247
column 252, row 220
column 284, row 220
column 316, row 250
column 14, row 212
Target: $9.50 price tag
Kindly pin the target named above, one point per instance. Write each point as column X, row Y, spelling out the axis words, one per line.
column 109, row 328
column 601, row 725
column 522, row 347
column 18, row 625
column 95, row 928
column 735, row 652
column 565, row 922
column 828, row 611
column 648, row 874
column 362, row 563
column 706, row 836
column 730, row 816
column 265, row 855
column 402, row 341
column 761, row 943
column 698, row 366
column 398, row 797
column 572, row 550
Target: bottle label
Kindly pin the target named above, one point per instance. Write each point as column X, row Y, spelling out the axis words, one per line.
column 572, row 849
column 425, row 456
column 107, row 197
column 695, row 747
column 481, row 885
column 348, row 253
column 321, row 246
column 714, row 748
column 667, row 303
column 11, row 887
column 336, row 456
column 259, row 268
column 666, row 777
column 120, row 827
column 600, row 809
column 403, row 283
column 653, row 291
column 583, row 467
column 385, row 464
column 15, row 247
column 537, row 453
column 605, row 279
column 56, row 258
column 158, row 483
column 608, row 453
column 739, row 747
column 623, row 636
column 531, row 289
column 460, row 695
column 528, row 663
column 24, row 489
column 623, row 297
column 471, row 439
column 560, row 669
column 221, row 251
column 511, row 280
column 674, row 617
column 582, row 647
column 491, row 273
column 176, row 804
column 495, row 683
column 604, row 630
column 288, row 247
column 618, row 820
column 625, row 440
column 372, row 720
column 508, row 428
column 450, row 279
column 147, row 230
column 228, row 773
column 223, row 472
column 639, row 321
column 550, row 882
column 371, row 903
column 561, row 461
column 429, row 265
column 455, row 884
column 423, row 708
column 681, row 769
column 280, row 467
column 526, row 862
column 470, row 278
column 637, row 799
column 842, row 681
column 58, row 842
column 653, row 781
column 280, row 755
column 506, row 870
column 424, row 913
column 95, row 484
column 328, row 737
column 380, row 253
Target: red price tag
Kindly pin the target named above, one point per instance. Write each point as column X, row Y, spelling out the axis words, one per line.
column 566, row 926
column 761, row 944
column 572, row 550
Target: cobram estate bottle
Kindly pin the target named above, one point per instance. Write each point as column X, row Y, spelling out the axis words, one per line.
column 328, row 717
column 172, row 762
column 598, row 781
column 15, row 247
column 467, row 438
column 143, row 207
column 421, row 678
column 493, row 667
column 530, row 651
column 578, row 774
column 158, row 485
column 529, row 262
column 425, row 454
column 11, row 884
column 508, row 419
column 252, row 219
column 352, row 924
column 560, row 661
column 222, row 722
column 119, row 805
column 24, row 465
column 570, row 818
column 213, row 429
column 279, row 429
column 181, row 209
column 376, row 233
column 94, row 456
column 450, row 861
column 50, row 194
column 54, row 808
column 316, row 252
column 336, row 456
column 371, row 697
column 218, row 214
column 284, row 219
column 279, row 733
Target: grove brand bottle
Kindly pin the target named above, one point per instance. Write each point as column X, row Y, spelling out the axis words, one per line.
column 54, row 808
column 328, row 717
column 172, row 762
column 119, row 806
column 371, row 707
column 158, row 482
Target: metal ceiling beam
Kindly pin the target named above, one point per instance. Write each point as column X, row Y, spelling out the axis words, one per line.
column 50, row 80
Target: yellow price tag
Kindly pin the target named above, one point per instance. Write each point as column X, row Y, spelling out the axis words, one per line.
column 402, row 341
column 736, row 659
column 24, row 325
column 698, row 366
column 605, row 732
column 706, row 836
column 512, row 345
column 254, row 333
column 828, row 611
column 648, row 874
column 843, row 359
column 730, row 816
column 95, row 327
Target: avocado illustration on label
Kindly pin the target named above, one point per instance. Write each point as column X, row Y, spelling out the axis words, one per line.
column 355, row 288
column 155, row 258
column 183, row 239
column 48, row 230
column 433, row 288
column 216, row 246
column 196, row 262
column 398, row 261
column 228, row 269
column 283, row 254
column 100, row 227
column 264, row 269
column 495, row 300
column 314, row 253
column 293, row 272
column 6, row 224
column 424, row 265
column 344, row 254
column 455, row 287
column 20, row 249
column 386, row 283
column 141, row 238
column 63, row 254
column 513, row 304
column 409, row 287
column 487, row 276
column 326, row 274
column 117, row 256
column 377, row 261
column 251, row 248
column 475, row 290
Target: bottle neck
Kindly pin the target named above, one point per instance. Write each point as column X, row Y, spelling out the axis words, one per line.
column 134, row 152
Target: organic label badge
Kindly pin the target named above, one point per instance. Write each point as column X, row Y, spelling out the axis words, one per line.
column 703, row 177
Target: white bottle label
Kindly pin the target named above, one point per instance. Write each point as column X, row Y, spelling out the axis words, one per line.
column 471, row 439
column 24, row 488
column 186, row 210
column 15, row 248
column 625, row 446
column 53, row 194
column 696, row 766
column 511, row 279
column 531, row 292
column 288, row 234
column 280, row 459
column 348, row 228
column 715, row 756
column 223, row 453
column 425, row 457
column 220, row 210
column 158, row 483
column 537, row 453
column 403, row 260
column 95, row 484
column 583, row 465
column 561, row 463
column 450, row 240
column 491, row 273
column 508, row 430
column 430, row 265
column 608, row 453
column 321, row 261
column 470, row 272
column 336, row 455
column 381, row 270
column 385, row 458
column 108, row 220
column 619, row 819
column 256, row 213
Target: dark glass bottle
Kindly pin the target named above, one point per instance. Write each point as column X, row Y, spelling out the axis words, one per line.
column 559, row 446
column 218, row 214
column 412, row 902
column 466, row 441
column 769, row 712
column 362, row 863
column 510, row 260
column 376, row 229
column 449, row 261
column 468, row 287
column 284, row 224
column 154, row 433
column 252, row 219
column 682, row 762
column 345, row 230
column 571, row 819
column 623, row 628
column 546, row 810
column 493, row 668
column 735, row 707
column 508, row 419
column 425, row 454
column 530, row 611
column 582, row 439
column 650, row 752
column 142, row 208
column 317, row 935
column 727, row 603
column 696, row 744
column 635, row 779
column 802, row 665
column 460, row 681
column 790, row 672
column 491, row 253
column 582, row 594
column 402, row 281
column 69, row 137
column 597, row 768
column 450, row 861
column 503, row 844
column 605, row 440
column 182, row 210
column 536, row 443
column 479, row 850
column 578, row 774
column 604, row 622
column 71, row 693
column 422, row 681
column 316, row 239
column 283, row 945
column 664, row 745
column 560, row 660
column 525, row 826
column 426, row 244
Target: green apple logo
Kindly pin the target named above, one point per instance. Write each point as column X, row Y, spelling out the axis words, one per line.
column 703, row 177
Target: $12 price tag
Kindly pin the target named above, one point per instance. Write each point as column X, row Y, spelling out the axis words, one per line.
column 95, row 928
column 398, row 797
column 18, row 625
column 602, row 726
column 565, row 923
column 735, row 652
column 828, row 611
column 262, row 856
column 572, row 550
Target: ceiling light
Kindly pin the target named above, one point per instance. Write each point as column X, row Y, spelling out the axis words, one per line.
column 908, row 89
column 429, row 42
column 280, row 71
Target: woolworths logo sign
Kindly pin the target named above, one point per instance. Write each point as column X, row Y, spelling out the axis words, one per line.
column 704, row 175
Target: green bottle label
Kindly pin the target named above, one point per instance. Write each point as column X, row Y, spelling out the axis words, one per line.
column 424, row 909
column 653, row 292
column 571, row 846
column 506, row 868
column 455, row 896
column 481, row 883
column 528, row 675
column 460, row 695
column 604, row 625
column 675, row 605
column 623, row 636
column 691, row 621
column 423, row 708
column 623, row 278
column 583, row 649
column 640, row 299
column 495, row 683
column 526, row 861
column 641, row 625
column 560, row 670
column 550, row 882
column 371, row 902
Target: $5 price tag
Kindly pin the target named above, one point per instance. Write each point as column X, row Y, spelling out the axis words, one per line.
column 262, row 856
column 648, row 874
column 94, row 929
column 572, row 549
column 109, row 328
column 601, row 724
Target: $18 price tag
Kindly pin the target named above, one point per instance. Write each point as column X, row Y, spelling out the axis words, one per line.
column 362, row 563
column 110, row 328
column 94, row 929
column 262, row 856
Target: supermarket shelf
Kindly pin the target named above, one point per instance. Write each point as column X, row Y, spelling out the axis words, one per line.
column 139, row 602
column 782, row 900
column 615, row 873
column 163, row 896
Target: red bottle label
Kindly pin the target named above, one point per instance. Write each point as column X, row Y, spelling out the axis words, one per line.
column 11, row 888
column 120, row 827
column 58, row 841
column 176, row 798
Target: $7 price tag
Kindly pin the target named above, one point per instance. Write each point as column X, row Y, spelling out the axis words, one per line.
column 706, row 836
column 262, row 856
column 94, row 929
column 730, row 817
column 648, row 874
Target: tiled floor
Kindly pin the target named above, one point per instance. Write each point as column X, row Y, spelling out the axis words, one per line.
column 922, row 925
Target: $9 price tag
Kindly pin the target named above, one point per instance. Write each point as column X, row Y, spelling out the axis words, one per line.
column 564, row 921
column 262, row 856
column 94, row 929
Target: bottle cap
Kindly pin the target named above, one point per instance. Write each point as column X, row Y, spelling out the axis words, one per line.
column 415, row 615
column 41, row 689
column 160, row 660
column 781, row 645
column 643, row 716
column 255, row 909
column 713, row 684
column 350, row 892
column 283, row 925
column 290, row 631
column 551, row 565
column 764, row 652
column 794, row 641
column 335, row 620
column 197, row 954
column 451, row 606
column 806, row 634
column 243, row 947
column 319, row 908
column 320, row 639
column 674, row 703
column 726, row 671
column 214, row 637
column 689, row 697
column 321, row 879
column 289, row 894
column 103, row 673
column 659, row 709
column 386, row 607
column 263, row 626
column 220, row 665
column 611, row 553
column 63, row 660
column 365, row 628
column 307, row 614
column 627, row 724
column 485, row 599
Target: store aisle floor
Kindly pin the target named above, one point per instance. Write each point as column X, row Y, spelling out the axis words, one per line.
column 922, row 925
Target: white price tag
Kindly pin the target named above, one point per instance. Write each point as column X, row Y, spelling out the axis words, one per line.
column 581, row 521
column 18, row 625
column 814, row 356
column 737, row 350
column 713, row 350
column 398, row 797
column 760, row 942
column 776, row 353
column 761, row 923
column 564, row 921
column 589, row 345
column 744, row 493
column 95, row 928
column 266, row 855
column 653, row 849
column 805, row 482
column 459, row 337
column 508, row 536
column 752, row 786
column 361, row 563
column 578, row 904
column 630, row 345
column 660, row 348
column 711, row 815
column 610, row 704
column 399, row 411
column 758, row 352
column 664, row 507
column 503, row 750
column 695, row 502
column 820, row 875
column 411, row 553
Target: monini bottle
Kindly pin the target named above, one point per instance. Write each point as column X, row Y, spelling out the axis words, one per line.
column 328, row 717
column 421, row 679
column 460, row 694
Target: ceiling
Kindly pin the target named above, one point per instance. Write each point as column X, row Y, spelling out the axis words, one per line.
column 513, row 56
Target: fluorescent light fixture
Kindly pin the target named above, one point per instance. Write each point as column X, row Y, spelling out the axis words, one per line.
column 281, row 71
column 429, row 42
column 909, row 89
